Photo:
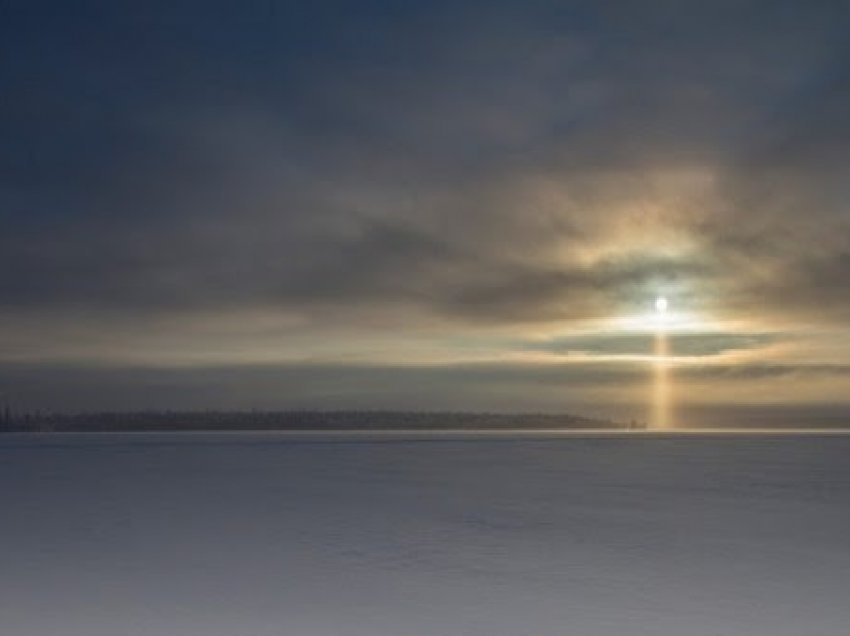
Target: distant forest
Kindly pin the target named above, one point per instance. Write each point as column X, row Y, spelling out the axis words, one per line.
column 291, row 421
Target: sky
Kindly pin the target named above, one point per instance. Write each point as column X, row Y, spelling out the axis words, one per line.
column 425, row 205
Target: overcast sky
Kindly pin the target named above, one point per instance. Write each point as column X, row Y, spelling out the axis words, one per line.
column 440, row 205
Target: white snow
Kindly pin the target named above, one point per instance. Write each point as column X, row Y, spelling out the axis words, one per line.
column 424, row 535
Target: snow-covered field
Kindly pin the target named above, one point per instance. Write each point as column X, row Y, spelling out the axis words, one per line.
column 391, row 535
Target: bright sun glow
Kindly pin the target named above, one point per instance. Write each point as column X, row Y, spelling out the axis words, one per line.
column 661, row 315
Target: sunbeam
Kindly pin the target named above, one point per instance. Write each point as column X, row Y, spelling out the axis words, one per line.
column 661, row 389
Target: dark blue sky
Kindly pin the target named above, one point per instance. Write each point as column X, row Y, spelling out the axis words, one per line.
column 426, row 186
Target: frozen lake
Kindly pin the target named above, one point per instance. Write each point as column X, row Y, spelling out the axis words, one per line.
column 275, row 534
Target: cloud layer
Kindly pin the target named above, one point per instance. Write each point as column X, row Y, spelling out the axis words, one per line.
column 442, row 172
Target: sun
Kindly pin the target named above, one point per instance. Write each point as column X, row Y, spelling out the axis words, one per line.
column 662, row 316
column 661, row 313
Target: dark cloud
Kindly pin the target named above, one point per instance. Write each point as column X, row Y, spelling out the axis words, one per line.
column 760, row 371
column 476, row 387
column 680, row 344
column 608, row 388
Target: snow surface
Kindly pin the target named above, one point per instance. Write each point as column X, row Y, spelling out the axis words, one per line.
column 391, row 535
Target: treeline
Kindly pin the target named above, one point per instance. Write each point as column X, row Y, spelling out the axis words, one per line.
column 290, row 421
